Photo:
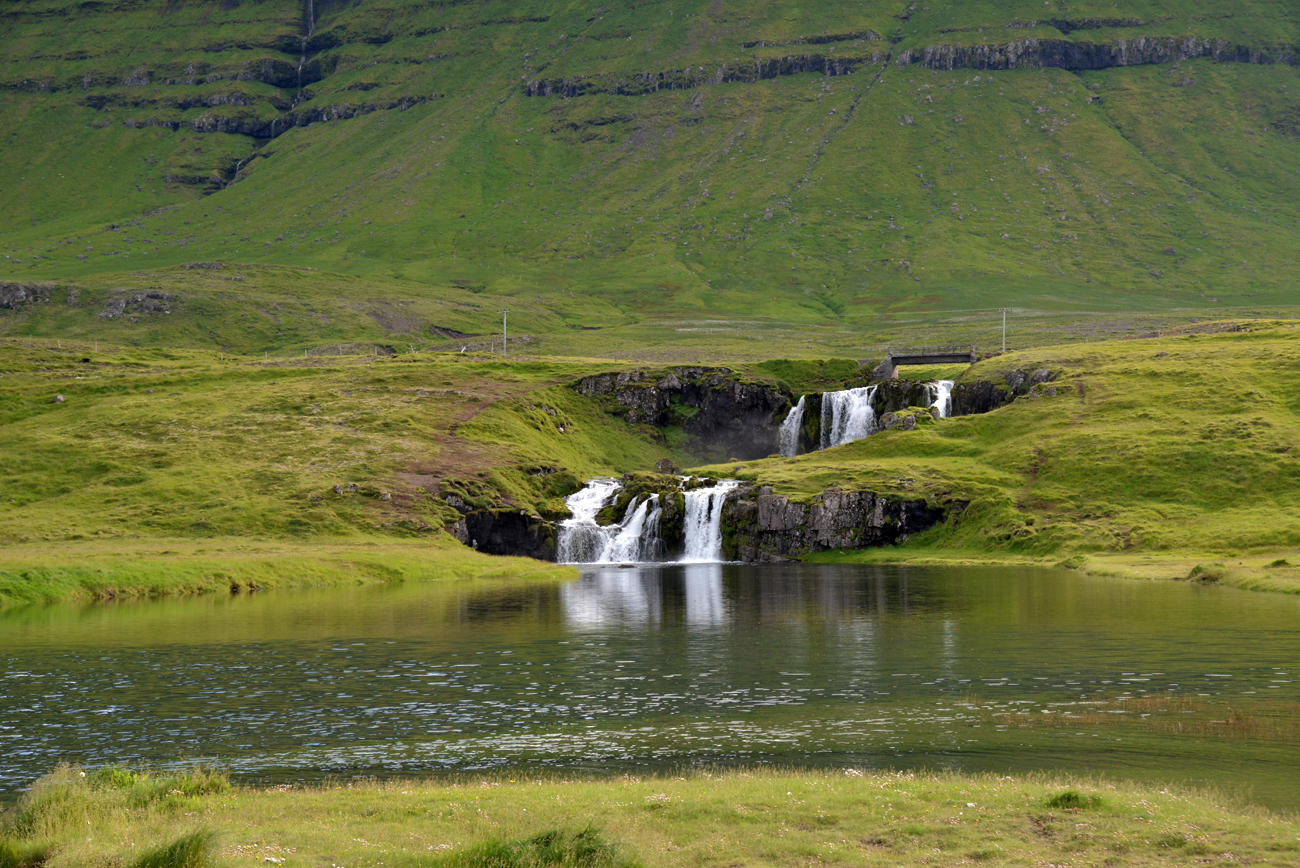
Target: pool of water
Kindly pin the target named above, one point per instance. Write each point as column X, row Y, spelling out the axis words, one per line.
column 655, row 668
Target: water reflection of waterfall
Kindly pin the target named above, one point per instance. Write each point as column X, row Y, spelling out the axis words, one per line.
column 847, row 416
column 790, row 429
column 941, row 397
column 649, row 596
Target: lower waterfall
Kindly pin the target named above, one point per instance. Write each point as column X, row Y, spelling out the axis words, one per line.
column 636, row 537
column 941, row 397
column 790, row 429
column 847, row 416
column 703, row 530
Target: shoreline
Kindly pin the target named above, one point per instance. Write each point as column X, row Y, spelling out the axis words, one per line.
column 105, row 571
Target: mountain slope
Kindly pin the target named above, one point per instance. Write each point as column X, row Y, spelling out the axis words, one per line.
column 608, row 163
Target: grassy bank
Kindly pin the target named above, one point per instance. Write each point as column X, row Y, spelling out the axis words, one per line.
column 763, row 817
column 116, row 571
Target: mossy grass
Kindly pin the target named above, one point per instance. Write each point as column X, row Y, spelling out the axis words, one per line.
column 764, row 816
column 97, row 571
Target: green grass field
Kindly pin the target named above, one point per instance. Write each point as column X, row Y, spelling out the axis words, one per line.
column 1148, row 456
column 737, row 818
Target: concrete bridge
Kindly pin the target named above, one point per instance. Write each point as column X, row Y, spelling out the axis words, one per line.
column 888, row 368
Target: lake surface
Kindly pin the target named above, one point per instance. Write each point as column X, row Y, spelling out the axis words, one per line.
column 655, row 668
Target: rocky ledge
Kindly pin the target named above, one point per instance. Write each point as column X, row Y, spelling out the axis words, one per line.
column 722, row 415
column 762, row 527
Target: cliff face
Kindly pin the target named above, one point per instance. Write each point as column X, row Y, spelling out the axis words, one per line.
column 759, row 69
column 762, row 527
column 1068, row 54
column 508, row 532
column 722, row 415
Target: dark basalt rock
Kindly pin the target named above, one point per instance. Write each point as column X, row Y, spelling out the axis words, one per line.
column 983, row 396
column 508, row 532
column 724, row 416
column 137, row 303
column 1081, row 55
column 762, row 527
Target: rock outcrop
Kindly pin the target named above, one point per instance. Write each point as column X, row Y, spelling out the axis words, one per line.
column 722, row 415
column 16, row 296
column 508, row 532
column 747, row 72
column 982, row 396
column 137, row 303
column 1081, row 55
column 762, row 527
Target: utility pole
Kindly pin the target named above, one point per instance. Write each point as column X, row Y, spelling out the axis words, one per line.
column 503, row 331
column 1004, row 331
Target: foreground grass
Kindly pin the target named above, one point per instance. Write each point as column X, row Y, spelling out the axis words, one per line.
column 741, row 818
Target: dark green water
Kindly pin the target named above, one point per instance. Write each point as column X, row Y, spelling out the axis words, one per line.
column 655, row 668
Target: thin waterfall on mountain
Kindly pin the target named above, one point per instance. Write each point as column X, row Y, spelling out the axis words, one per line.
column 703, row 526
column 790, row 429
column 847, row 416
column 311, row 28
column 941, row 397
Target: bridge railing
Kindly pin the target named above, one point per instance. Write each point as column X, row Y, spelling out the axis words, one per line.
column 929, row 351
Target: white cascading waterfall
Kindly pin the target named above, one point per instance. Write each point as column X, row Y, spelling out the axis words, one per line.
column 633, row 539
column 581, row 540
column 941, row 397
column 703, row 525
column 637, row 536
column 847, row 416
column 790, row 429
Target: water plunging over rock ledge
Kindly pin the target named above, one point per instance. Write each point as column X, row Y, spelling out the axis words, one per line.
column 647, row 516
column 659, row 517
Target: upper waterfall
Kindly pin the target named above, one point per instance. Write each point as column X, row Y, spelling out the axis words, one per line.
column 790, row 429
column 847, row 415
column 941, row 397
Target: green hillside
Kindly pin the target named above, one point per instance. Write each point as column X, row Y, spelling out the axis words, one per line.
column 603, row 165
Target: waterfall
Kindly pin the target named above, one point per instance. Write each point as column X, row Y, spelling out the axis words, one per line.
column 847, row 416
column 633, row 541
column 941, row 397
column 581, row 540
column 790, row 429
column 311, row 28
column 703, row 525
column 634, row 538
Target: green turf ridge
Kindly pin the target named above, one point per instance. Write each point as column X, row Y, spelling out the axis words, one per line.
column 754, row 817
